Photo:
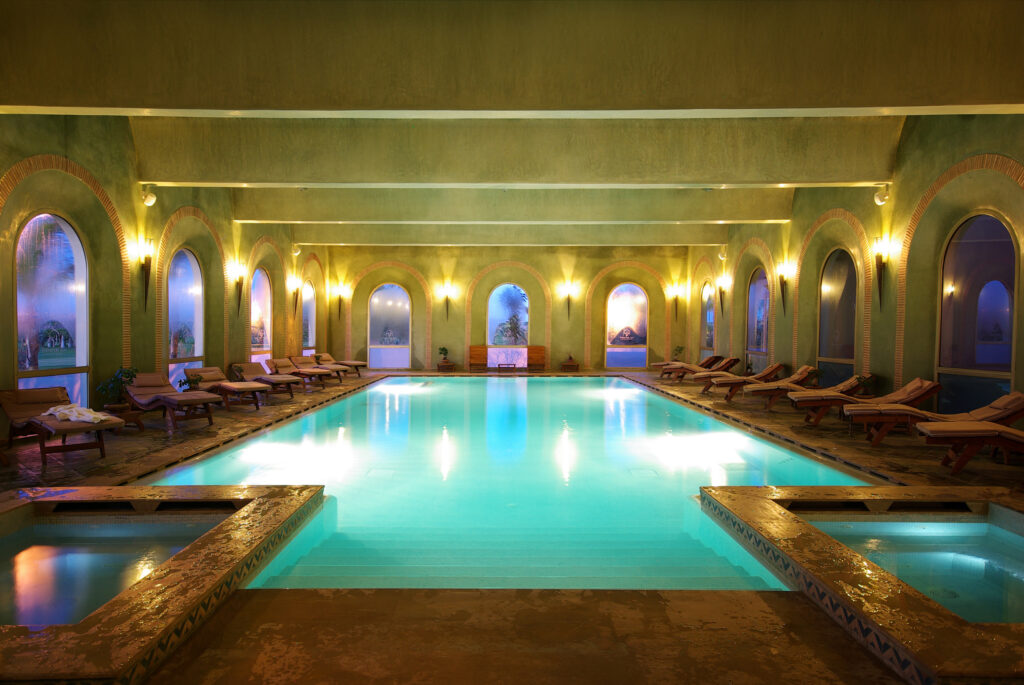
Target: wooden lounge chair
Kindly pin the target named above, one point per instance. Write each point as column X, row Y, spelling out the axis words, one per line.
column 733, row 383
column 242, row 392
column 24, row 408
column 668, row 367
column 679, row 373
column 966, row 438
column 817, row 402
column 311, row 375
column 309, row 364
column 352, row 365
column 536, row 358
column 277, row 383
column 879, row 419
column 477, row 358
column 152, row 391
column 773, row 392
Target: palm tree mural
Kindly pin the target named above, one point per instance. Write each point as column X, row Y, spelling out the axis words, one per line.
column 508, row 315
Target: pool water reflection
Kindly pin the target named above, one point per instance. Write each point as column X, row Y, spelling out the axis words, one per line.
column 510, row 482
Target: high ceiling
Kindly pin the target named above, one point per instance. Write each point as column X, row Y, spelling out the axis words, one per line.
column 545, row 123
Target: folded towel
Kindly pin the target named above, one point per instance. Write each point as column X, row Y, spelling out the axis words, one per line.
column 72, row 412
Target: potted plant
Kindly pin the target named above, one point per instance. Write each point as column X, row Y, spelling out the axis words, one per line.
column 190, row 382
column 444, row 353
column 112, row 389
column 676, row 352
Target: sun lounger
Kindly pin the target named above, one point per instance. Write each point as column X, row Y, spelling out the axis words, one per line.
column 680, row 372
column 773, row 392
column 309, row 364
column 277, row 383
column 732, row 382
column 352, row 365
column 966, row 438
column 24, row 408
column 879, row 419
column 242, row 392
column 311, row 375
column 817, row 402
column 152, row 391
column 668, row 367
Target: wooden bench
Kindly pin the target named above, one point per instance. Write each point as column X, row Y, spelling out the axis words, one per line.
column 477, row 358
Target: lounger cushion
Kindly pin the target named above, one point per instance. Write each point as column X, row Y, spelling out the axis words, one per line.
column 275, row 378
column 51, row 426
column 207, row 374
column 190, row 398
column 50, row 396
column 756, row 388
column 149, row 380
column 959, row 429
column 242, row 386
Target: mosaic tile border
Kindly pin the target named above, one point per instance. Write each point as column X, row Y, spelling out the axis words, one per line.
column 860, row 596
column 164, row 608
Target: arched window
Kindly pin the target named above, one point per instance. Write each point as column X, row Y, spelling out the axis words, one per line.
column 390, row 318
column 707, row 321
column 976, row 327
column 757, row 321
column 184, row 315
column 837, row 318
column 52, row 308
column 508, row 325
column 308, row 319
column 261, row 317
column 626, row 329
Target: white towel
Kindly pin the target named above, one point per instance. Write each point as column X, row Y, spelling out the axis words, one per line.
column 72, row 412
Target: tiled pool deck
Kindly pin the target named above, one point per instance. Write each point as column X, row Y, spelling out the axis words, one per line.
column 515, row 636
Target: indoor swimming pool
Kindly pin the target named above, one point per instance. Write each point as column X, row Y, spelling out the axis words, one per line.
column 509, row 483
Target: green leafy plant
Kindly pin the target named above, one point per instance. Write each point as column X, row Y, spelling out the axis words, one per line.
column 443, row 351
column 190, row 382
column 677, row 351
column 113, row 388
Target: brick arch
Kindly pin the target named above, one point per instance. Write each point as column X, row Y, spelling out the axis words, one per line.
column 588, row 305
column 162, row 262
column 428, row 299
column 867, row 280
column 1007, row 166
column 249, row 267
column 471, row 289
column 759, row 248
column 35, row 164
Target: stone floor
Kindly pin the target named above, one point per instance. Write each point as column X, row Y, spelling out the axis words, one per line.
column 514, row 636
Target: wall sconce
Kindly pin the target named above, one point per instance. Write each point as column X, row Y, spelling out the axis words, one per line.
column 881, row 249
column 724, row 282
column 236, row 273
column 786, row 272
column 447, row 291
column 949, row 290
column 148, row 196
column 144, row 249
column 342, row 291
column 675, row 291
column 294, row 284
column 568, row 290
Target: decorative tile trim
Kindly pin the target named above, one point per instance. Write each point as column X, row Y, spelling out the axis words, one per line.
column 471, row 289
column 1007, row 166
column 864, row 631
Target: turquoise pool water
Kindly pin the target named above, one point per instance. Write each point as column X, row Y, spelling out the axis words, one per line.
column 510, row 483
column 976, row 570
column 61, row 573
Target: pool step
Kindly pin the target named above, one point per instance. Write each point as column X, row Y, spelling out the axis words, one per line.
column 518, row 582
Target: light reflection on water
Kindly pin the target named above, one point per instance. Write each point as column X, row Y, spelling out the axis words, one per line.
column 510, row 482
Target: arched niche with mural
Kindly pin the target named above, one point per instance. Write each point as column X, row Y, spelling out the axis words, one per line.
column 189, row 237
column 359, row 305
column 312, row 324
column 975, row 193
column 488, row 310
column 266, row 280
column 604, row 315
column 75, row 203
column 750, row 308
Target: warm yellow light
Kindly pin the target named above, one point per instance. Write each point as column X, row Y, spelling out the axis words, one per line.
column 293, row 283
column 236, row 270
column 446, row 289
column 568, row 289
column 342, row 290
column 307, row 290
column 787, row 269
column 882, row 248
column 950, row 289
column 678, row 290
column 825, row 288
column 141, row 249
column 707, row 291
column 724, row 281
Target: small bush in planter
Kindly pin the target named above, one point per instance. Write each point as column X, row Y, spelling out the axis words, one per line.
column 112, row 389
